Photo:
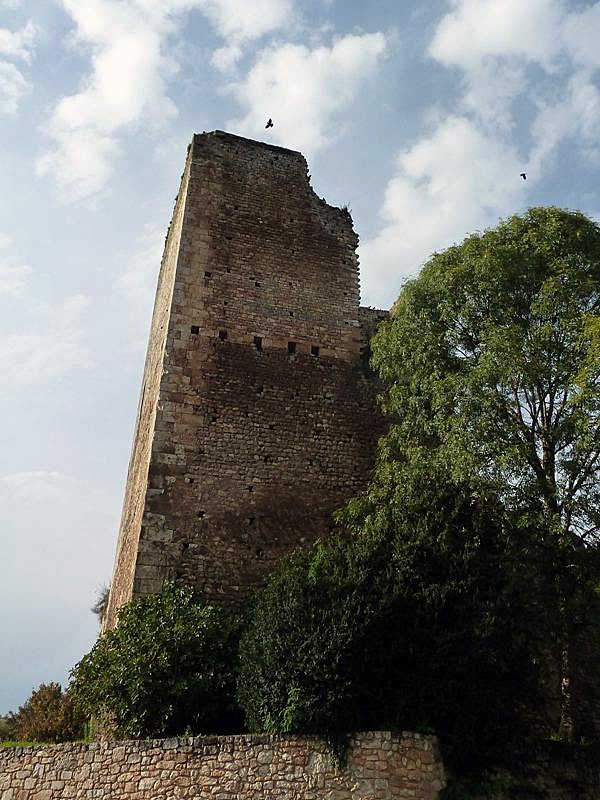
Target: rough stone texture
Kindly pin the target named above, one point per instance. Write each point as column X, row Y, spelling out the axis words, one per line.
column 257, row 417
column 380, row 766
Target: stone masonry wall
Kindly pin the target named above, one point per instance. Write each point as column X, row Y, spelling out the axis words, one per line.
column 380, row 766
column 264, row 421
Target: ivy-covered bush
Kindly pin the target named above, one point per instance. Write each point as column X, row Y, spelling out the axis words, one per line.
column 424, row 627
column 167, row 668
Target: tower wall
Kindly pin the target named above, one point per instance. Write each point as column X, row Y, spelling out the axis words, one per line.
column 257, row 420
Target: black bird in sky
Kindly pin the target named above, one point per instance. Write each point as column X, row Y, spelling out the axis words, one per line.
column 523, row 175
column 269, row 123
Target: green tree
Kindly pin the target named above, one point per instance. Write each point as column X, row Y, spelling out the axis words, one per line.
column 167, row 668
column 492, row 365
column 422, row 624
column 8, row 727
column 49, row 715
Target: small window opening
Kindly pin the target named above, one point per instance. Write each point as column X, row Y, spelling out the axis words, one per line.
column 257, row 284
column 225, row 302
column 185, row 545
column 291, row 347
column 222, row 335
column 228, row 269
column 195, row 329
column 267, row 459
column 201, row 514
column 291, row 313
column 259, row 552
column 314, row 350
column 251, row 488
column 189, row 479
column 214, row 419
column 258, row 342
column 208, row 274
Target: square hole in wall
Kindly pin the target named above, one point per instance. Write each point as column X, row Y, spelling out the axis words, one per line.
column 208, row 274
column 251, row 488
column 195, row 329
column 257, row 284
column 291, row 347
column 314, row 350
column 222, row 335
column 228, row 269
column 258, row 342
column 201, row 514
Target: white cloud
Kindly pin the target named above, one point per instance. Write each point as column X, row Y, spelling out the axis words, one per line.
column 35, row 486
column 580, row 36
column 225, row 58
column 304, row 89
column 18, row 44
column 138, row 279
column 51, row 347
column 239, row 20
column 451, row 182
column 13, row 85
column 477, row 29
column 130, row 71
column 465, row 175
column 13, row 278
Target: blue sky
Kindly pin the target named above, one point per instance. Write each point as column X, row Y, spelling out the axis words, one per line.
column 420, row 116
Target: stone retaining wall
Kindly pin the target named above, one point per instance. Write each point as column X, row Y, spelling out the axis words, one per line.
column 380, row 766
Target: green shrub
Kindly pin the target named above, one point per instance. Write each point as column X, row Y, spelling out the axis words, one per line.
column 50, row 715
column 411, row 628
column 8, row 727
column 166, row 669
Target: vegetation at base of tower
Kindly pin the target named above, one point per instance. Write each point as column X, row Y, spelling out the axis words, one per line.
column 492, row 367
column 166, row 669
column 432, row 624
column 473, row 570
column 49, row 715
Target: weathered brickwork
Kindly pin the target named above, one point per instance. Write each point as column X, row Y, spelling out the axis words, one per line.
column 380, row 766
column 257, row 418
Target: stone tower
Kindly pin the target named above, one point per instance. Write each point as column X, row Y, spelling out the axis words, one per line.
column 257, row 418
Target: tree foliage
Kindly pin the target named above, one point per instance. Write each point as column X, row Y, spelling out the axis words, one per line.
column 423, row 625
column 167, row 668
column 492, row 368
column 492, row 361
column 8, row 727
column 50, row 715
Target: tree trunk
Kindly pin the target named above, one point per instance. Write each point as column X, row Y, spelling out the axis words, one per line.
column 566, row 727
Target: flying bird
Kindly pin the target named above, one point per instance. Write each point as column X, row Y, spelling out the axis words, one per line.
column 269, row 123
column 523, row 175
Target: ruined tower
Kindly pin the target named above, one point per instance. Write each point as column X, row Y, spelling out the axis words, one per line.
column 257, row 418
